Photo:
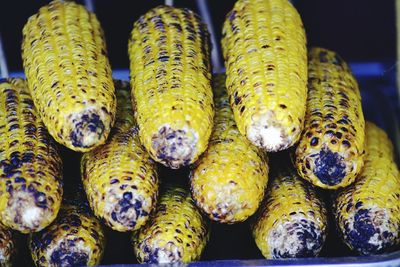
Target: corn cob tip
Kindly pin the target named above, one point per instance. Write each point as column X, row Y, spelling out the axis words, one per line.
column 369, row 231
column 175, row 148
column 88, row 128
column 266, row 132
column 27, row 212
column 155, row 254
column 298, row 238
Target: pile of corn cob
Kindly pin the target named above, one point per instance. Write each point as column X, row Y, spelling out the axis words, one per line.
column 275, row 95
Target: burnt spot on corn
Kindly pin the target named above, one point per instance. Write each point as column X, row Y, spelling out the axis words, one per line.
column 88, row 129
column 174, row 148
column 75, row 238
column 300, row 239
column 329, row 167
column 366, row 236
column 64, row 257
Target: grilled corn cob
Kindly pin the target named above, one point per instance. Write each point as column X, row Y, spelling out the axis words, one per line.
column 264, row 48
column 368, row 211
column 228, row 181
column 119, row 178
column 30, row 166
column 65, row 62
column 170, row 78
column 330, row 153
column 292, row 220
column 7, row 247
column 75, row 238
column 176, row 232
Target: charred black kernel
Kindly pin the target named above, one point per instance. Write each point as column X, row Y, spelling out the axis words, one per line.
column 346, row 143
column 333, row 142
column 64, row 257
column 27, row 157
column 330, row 133
column 329, row 167
column 330, row 106
column 343, row 121
column 20, row 180
column 40, row 199
column 323, row 57
column 358, row 204
column 349, row 206
column 314, row 125
column 329, row 116
column 314, row 141
column 344, row 103
column 339, row 135
column 14, row 126
column 163, row 58
column 309, row 134
column 282, row 106
column 337, row 60
column 363, row 230
column 236, row 98
column 242, row 109
column 75, row 221
column 331, row 125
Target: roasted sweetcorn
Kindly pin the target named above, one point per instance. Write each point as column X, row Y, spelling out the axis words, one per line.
column 229, row 179
column 30, row 165
column 330, row 152
column 368, row 211
column 119, row 177
column 176, row 232
column 264, row 47
column 69, row 76
column 292, row 221
column 171, row 89
column 75, row 238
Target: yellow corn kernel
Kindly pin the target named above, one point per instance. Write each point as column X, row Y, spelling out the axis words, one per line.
column 330, row 153
column 229, row 179
column 170, row 77
column 368, row 211
column 176, row 232
column 69, row 76
column 264, row 47
column 30, row 166
column 291, row 222
column 119, row 177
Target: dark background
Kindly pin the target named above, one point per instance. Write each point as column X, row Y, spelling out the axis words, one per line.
column 360, row 30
